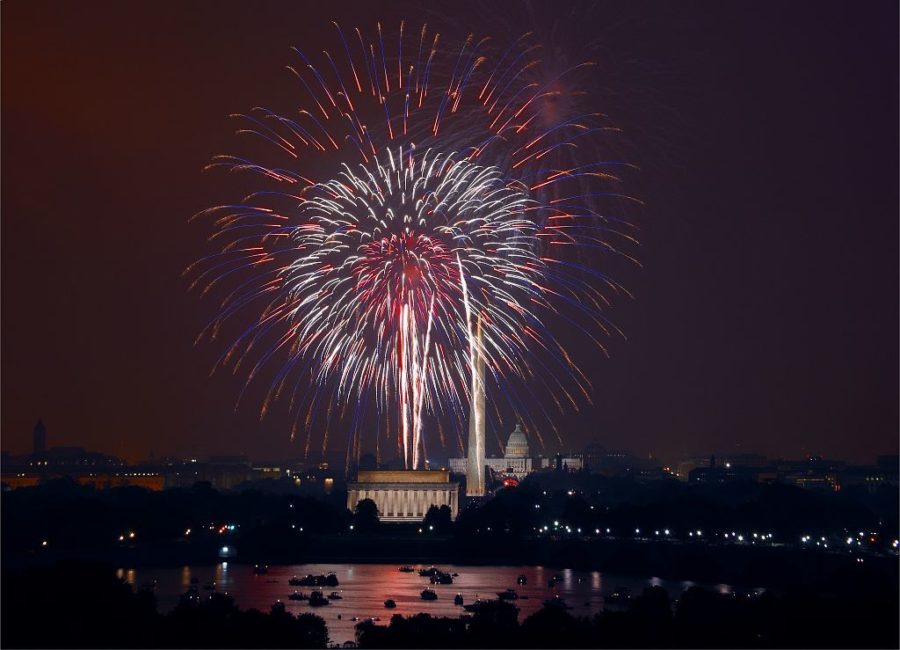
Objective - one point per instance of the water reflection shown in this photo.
(365, 587)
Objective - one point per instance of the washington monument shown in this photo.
(475, 462)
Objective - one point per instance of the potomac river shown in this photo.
(365, 587)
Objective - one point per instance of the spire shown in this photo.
(475, 462)
(39, 438)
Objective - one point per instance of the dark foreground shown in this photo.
(38, 611)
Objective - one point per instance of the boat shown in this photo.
(329, 580)
(298, 595)
(441, 578)
(478, 605)
(508, 594)
(557, 602)
(620, 596)
(260, 569)
(190, 597)
(454, 574)
(428, 594)
(316, 599)
(390, 604)
(522, 579)
(429, 572)
(335, 596)
(458, 599)
(406, 569)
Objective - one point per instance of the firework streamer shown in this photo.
(413, 196)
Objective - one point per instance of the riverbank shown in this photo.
(750, 566)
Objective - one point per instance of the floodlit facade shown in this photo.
(515, 461)
(404, 495)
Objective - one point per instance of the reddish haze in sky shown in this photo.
(765, 315)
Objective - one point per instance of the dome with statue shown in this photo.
(517, 445)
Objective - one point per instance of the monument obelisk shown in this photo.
(475, 462)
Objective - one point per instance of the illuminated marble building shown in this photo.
(404, 495)
(515, 460)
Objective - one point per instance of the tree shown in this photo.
(439, 519)
(366, 518)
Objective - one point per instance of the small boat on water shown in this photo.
(620, 596)
(478, 605)
(406, 569)
(260, 569)
(454, 574)
(298, 595)
(428, 594)
(557, 602)
(429, 572)
(522, 579)
(335, 596)
(441, 578)
(508, 594)
(316, 599)
(329, 580)
(390, 604)
(190, 597)
(458, 599)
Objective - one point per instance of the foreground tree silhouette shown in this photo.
(366, 517)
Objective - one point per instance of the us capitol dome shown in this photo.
(517, 445)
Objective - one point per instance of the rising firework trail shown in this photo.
(407, 203)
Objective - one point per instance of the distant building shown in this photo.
(597, 459)
(514, 462)
(39, 439)
(404, 495)
(563, 462)
(687, 465)
(812, 473)
(870, 477)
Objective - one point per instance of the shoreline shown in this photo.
(744, 567)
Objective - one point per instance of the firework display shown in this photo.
(414, 197)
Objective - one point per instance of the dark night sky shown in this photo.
(766, 311)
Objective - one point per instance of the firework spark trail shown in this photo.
(368, 279)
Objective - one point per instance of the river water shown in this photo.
(365, 587)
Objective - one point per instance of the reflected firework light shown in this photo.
(418, 189)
